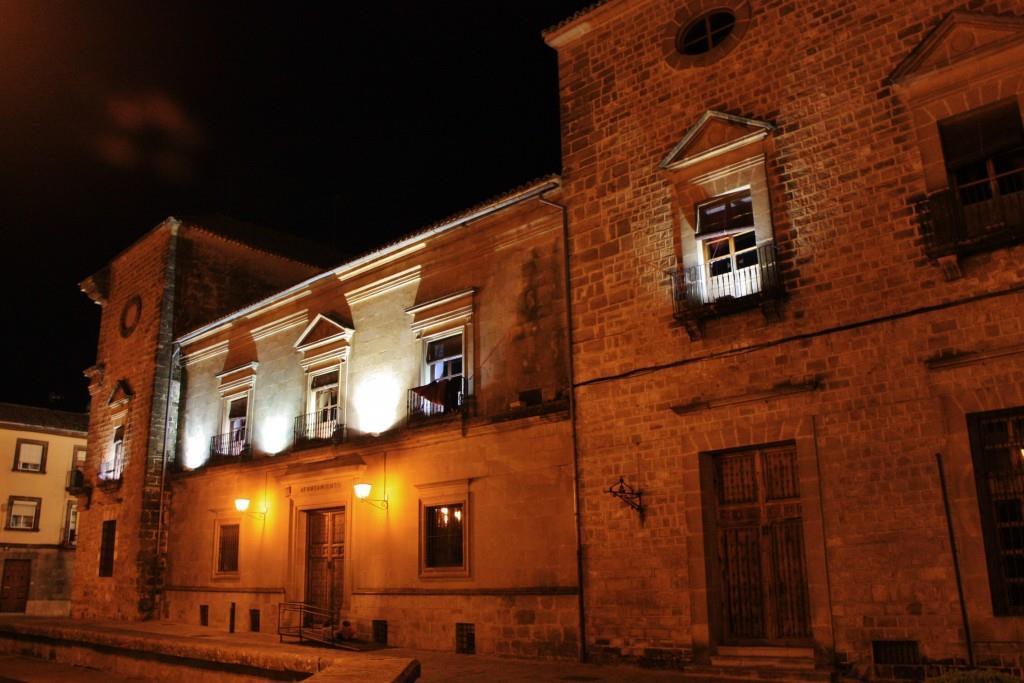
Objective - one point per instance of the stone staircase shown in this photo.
(760, 664)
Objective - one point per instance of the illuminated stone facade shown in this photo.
(869, 334)
(796, 330)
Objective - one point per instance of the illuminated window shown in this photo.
(234, 437)
(445, 388)
(729, 247)
(80, 454)
(321, 420)
(108, 536)
(997, 446)
(443, 535)
(444, 530)
(30, 456)
(23, 513)
(112, 465)
(227, 534)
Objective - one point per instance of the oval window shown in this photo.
(705, 32)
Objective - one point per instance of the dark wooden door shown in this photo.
(325, 559)
(14, 588)
(761, 547)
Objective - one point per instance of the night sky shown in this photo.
(346, 126)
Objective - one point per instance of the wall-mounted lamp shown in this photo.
(242, 505)
(363, 491)
(628, 495)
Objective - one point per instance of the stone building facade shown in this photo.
(40, 448)
(793, 233)
(434, 371)
(791, 431)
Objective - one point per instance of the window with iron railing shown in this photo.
(997, 445)
(445, 391)
(983, 207)
(112, 464)
(734, 269)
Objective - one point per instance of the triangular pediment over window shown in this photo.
(959, 38)
(715, 134)
(121, 394)
(322, 330)
(324, 342)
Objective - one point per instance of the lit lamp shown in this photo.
(363, 491)
(242, 505)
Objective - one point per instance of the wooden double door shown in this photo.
(14, 585)
(325, 559)
(760, 547)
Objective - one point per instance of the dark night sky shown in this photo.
(346, 126)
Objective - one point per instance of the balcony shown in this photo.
(976, 217)
(442, 397)
(230, 446)
(109, 474)
(76, 483)
(319, 426)
(698, 294)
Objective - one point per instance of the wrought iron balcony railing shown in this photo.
(975, 218)
(233, 444)
(697, 293)
(443, 397)
(320, 425)
(76, 482)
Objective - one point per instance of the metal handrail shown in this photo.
(442, 397)
(233, 444)
(305, 621)
(695, 291)
(953, 226)
(320, 425)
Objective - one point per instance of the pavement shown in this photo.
(264, 649)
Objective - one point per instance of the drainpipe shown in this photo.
(956, 562)
(582, 647)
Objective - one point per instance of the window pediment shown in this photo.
(121, 394)
(323, 342)
(238, 379)
(446, 312)
(961, 38)
(716, 134)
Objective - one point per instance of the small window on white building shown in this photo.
(30, 456)
(23, 513)
(112, 464)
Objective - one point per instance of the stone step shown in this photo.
(730, 674)
(765, 651)
(755, 662)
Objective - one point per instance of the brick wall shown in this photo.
(864, 311)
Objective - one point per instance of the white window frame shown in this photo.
(24, 500)
(225, 419)
(19, 463)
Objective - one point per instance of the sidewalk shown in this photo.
(262, 650)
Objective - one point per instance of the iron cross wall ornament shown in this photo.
(628, 495)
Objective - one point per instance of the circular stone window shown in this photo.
(130, 315)
(705, 32)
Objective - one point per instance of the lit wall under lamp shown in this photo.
(363, 491)
(242, 505)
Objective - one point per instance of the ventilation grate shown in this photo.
(254, 620)
(465, 639)
(896, 652)
(380, 631)
(204, 615)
